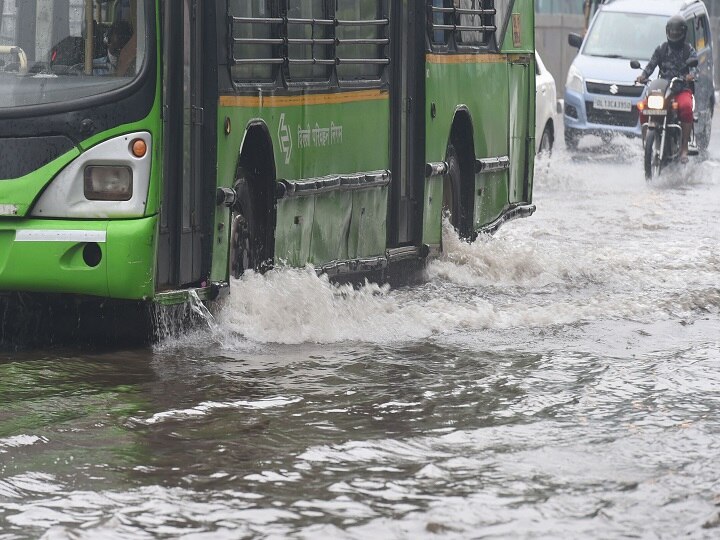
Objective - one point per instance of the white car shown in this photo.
(545, 107)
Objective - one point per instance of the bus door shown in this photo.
(180, 254)
(407, 88)
(520, 124)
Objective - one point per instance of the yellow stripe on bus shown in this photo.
(305, 99)
(467, 58)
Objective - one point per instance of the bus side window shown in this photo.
(470, 20)
(437, 18)
(365, 60)
(247, 56)
(310, 40)
(501, 19)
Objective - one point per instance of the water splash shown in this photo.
(564, 266)
(176, 320)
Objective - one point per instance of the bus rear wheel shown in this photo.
(451, 188)
(245, 251)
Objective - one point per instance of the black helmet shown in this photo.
(676, 29)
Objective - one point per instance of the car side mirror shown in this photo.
(635, 64)
(691, 62)
(575, 40)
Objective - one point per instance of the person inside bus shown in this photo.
(671, 57)
(118, 37)
(126, 58)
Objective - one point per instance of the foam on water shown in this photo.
(506, 281)
(563, 266)
(203, 410)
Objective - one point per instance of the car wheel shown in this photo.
(546, 141)
(572, 138)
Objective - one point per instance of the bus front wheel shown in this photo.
(451, 187)
(244, 235)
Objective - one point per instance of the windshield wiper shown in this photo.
(608, 55)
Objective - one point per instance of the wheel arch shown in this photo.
(256, 164)
(549, 123)
(462, 137)
(256, 151)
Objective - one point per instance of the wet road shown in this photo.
(558, 380)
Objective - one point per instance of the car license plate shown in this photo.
(654, 112)
(613, 104)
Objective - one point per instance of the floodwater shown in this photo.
(560, 379)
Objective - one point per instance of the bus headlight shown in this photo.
(108, 183)
(109, 180)
(656, 102)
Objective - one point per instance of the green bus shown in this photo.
(152, 150)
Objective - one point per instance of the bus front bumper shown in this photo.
(104, 258)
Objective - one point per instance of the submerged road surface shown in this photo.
(558, 380)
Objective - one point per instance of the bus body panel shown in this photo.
(448, 80)
(49, 256)
(126, 270)
(313, 136)
(519, 125)
(294, 230)
(18, 194)
(519, 42)
(520, 33)
(368, 224)
(432, 211)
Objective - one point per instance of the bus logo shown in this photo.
(285, 139)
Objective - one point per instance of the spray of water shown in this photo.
(563, 266)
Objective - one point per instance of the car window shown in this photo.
(625, 35)
(702, 35)
(691, 31)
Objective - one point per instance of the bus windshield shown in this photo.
(625, 35)
(53, 51)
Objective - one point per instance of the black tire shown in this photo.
(546, 141)
(248, 248)
(653, 166)
(702, 136)
(451, 188)
(571, 139)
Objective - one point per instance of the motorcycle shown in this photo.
(662, 133)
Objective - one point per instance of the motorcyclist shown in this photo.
(671, 57)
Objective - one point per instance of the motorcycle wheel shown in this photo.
(653, 166)
(702, 135)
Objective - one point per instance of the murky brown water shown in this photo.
(559, 380)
